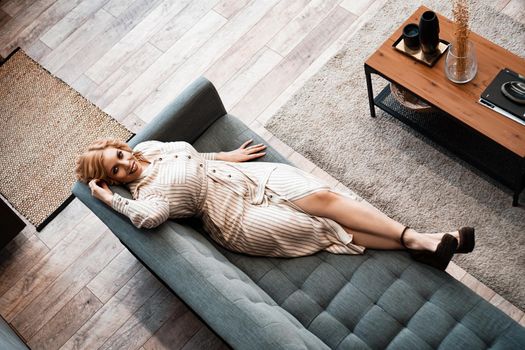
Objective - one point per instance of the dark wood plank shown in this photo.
(47, 269)
(66, 322)
(116, 274)
(146, 321)
(63, 223)
(67, 285)
(7, 252)
(115, 312)
(24, 18)
(175, 332)
(16, 261)
(42, 23)
(4, 18)
(14, 7)
(205, 339)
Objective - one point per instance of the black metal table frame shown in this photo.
(519, 183)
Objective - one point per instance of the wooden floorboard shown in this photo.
(14, 265)
(95, 25)
(67, 285)
(10, 31)
(44, 21)
(268, 88)
(176, 332)
(13, 7)
(177, 27)
(58, 228)
(4, 18)
(299, 27)
(197, 64)
(64, 324)
(47, 269)
(112, 315)
(135, 40)
(165, 65)
(146, 321)
(73, 285)
(72, 21)
(98, 46)
(228, 8)
(204, 339)
(116, 274)
(234, 59)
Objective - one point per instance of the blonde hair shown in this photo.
(89, 164)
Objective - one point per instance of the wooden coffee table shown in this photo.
(458, 102)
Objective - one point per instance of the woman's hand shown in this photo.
(100, 190)
(243, 153)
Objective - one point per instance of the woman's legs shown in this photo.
(373, 241)
(364, 218)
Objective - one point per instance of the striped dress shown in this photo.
(245, 207)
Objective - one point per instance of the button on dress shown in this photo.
(245, 207)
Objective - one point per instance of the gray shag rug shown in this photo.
(397, 170)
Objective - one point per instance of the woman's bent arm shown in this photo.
(151, 210)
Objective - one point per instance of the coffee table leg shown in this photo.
(520, 188)
(370, 91)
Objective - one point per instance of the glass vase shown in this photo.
(461, 67)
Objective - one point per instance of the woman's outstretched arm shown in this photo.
(243, 153)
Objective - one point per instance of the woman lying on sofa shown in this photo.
(258, 208)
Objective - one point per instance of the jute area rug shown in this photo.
(397, 170)
(44, 125)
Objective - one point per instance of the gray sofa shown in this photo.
(375, 301)
(9, 339)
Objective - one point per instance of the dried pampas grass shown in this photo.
(462, 31)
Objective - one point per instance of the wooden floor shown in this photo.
(73, 285)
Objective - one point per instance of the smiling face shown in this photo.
(120, 165)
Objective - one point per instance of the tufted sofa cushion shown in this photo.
(381, 300)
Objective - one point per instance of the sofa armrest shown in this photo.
(9, 339)
(187, 117)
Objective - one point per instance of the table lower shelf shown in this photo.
(476, 149)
